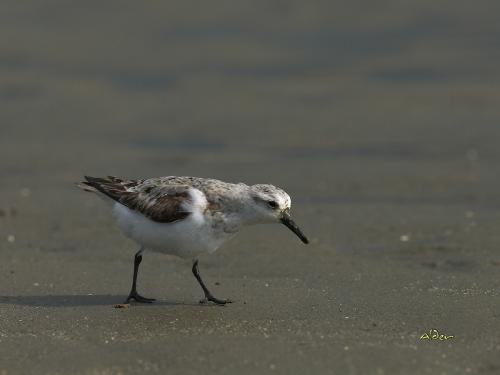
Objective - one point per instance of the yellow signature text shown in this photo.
(434, 334)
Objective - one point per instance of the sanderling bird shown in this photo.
(188, 216)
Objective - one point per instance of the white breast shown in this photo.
(197, 233)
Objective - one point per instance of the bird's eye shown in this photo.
(272, 204)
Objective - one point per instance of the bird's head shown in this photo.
(272, 204)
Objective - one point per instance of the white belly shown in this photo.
(186, 238)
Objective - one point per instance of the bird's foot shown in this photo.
(138, 298)
(217, 301)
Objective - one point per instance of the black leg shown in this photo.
(133, 292)
(208, 295)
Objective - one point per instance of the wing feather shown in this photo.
(164, 203)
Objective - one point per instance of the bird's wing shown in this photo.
(164, 203)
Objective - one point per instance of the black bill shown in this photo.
(287, 220)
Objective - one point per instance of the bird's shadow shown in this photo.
(81, 300)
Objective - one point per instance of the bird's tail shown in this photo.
(86, 187)
(97, 185)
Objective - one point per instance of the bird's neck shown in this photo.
(242, 208)
(248, 213)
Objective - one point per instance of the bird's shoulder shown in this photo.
(216, 192)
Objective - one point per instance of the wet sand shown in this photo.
(381, 121)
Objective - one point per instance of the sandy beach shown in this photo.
(381, 121)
